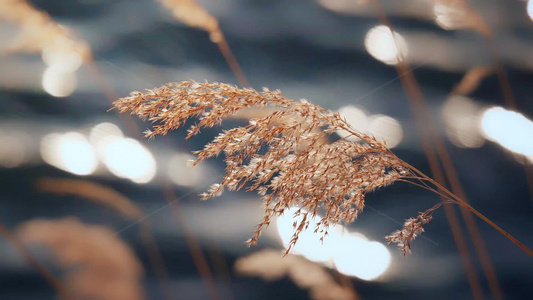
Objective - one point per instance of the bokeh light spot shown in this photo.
(358, 257)
(386, 128)
(449, 16)
(69, 61)
(70, 152)
(509, 129)
(386, 46)
(182, 174)
(350, 253)
(103, 134)
(462, 117)
(127, 158)
(356, 117)
(59, 82)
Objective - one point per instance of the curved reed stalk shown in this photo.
(472, 79)
(429, 134)
(193, 14)
(296, 169)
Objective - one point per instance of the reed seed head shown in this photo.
(283, 156)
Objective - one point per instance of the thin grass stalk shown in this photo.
(199, 258)
(232, 62)
(54, 282)
(507, 91)
(456, 199)
(423, 121)
(478, 242)
(220, 267)
(193, 14)
(156, 259)
(508, 97)
(471, 80)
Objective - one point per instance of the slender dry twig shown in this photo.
(270, 158)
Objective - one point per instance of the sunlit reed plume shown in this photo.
(96, 263)
(273, 265)
(281, 156)
(297, 169)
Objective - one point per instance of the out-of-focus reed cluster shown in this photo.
(273, 265)
(96, 264)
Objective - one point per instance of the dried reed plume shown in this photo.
(38, 31)
(272, 265)
(281, 156)
(97, 264)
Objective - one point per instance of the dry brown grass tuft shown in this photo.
(97, 264)
(273, 265)
(283, 157)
